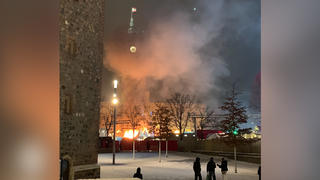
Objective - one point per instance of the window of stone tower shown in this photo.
(67, 104)
(70, 46)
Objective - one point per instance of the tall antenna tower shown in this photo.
(132, 30)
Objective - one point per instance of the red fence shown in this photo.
(147, 145)
(172, 145)
(141, 146)
(106, 145)
(126, 145)
(153, 145)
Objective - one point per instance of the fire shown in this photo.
(142, 133)
(129, 133)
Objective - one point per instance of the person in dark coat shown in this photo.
(224, 168)
(197, 169)
(259, 172)
(64, 169)
(211, 167)
(138, 174)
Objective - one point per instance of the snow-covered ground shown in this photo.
(178, 166)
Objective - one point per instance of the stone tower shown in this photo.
(81, 59)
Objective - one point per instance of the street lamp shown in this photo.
(115, 84)
(115, 101)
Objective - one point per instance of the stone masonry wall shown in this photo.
(81, 58)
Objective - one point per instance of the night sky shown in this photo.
(237, 43)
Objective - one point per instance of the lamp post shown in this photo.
(114, 102)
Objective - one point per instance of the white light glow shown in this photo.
(133, 49)
(115, 101)
(129, 134)
(115, 83)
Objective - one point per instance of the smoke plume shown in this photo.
(174, 54)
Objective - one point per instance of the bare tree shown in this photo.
(133, 112)
(180, 105)
(106, 114)
(147, 114)
(161, 121)
(205, 117)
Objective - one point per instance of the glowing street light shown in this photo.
(115, 101)
(115, 84)
(235, 132)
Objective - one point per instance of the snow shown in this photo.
(178, 166)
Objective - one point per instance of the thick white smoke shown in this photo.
(170, 55)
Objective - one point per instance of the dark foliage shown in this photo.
(235, 116)
(161, 120)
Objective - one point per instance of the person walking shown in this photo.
(224, 168)
(138, 173)
(211, 167)
(259, 172)
(197, 169)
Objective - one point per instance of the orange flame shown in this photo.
(129, 133)
(143, 133)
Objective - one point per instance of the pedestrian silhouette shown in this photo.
(138, 174)
(259, 172)
(211, 167)
(224, 168)
(197, 169)
(64, 169)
